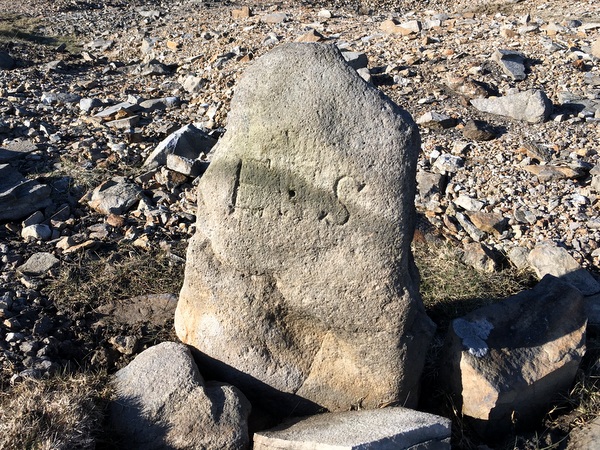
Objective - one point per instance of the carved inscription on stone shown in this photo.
(258, 186)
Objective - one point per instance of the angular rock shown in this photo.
(279, 296)
(274, 18)
(531, 106)
(194, 84)
(115, 196)
(386, 428)
(162, 401)
(436, 121)
(124, 124)
(429, 183)
(448, 163)
(479, 257)
(356, 60)
(36, 231)
(188, 167)
(405, 29)
(549, 172)
(511, 62)
(476, 234)
(478, 130)
(518, 257)
(506, 362)
(87, 104)
(120, 109)
(547, 258)
(38, 264)
(468, 203)
(19, 197)
(311, 36)
(189, 142)
(159, 103)
(492, 223)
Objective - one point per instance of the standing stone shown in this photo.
(300, 286)
(162, 402)
(508, 361)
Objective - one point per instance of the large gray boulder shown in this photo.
(508, 361)
(300, 287)
(162, 402)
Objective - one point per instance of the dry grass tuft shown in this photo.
(62, 412)
(92, 279)
(451, 289)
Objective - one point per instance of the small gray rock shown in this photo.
(160, 103)
(87, 104)
(436, 121)
(36, 232)
(19, 197)
(115, 196)
(194, 84)
(511, 62)
(531, 106)
(356, 60)
(189, 142)
(448, 163)
(39, 264)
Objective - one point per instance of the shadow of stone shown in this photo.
(261, 394)
(129, 428)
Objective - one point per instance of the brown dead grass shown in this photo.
(60, 413)
(451, 289)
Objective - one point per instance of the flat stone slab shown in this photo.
(386, 428)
